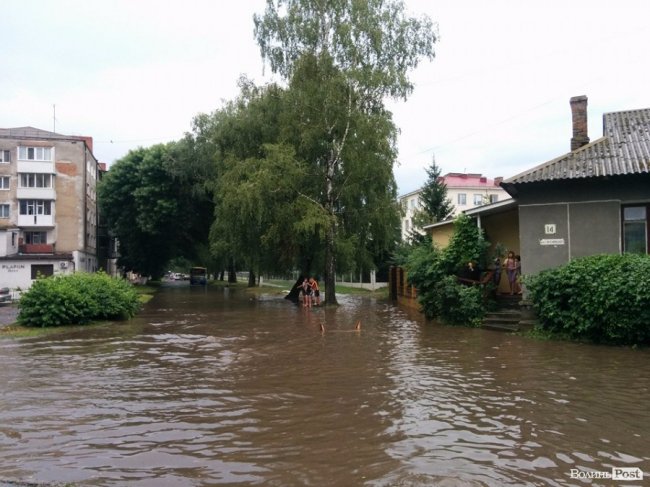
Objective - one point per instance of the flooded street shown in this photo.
(217, 387)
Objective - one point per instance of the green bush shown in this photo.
(433, 272)
(603, 298)
(77, 299)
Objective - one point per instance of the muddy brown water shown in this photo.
(216, 387)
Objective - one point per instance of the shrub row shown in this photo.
(77, 299)
(603, 298)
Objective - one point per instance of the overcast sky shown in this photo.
(495, 100)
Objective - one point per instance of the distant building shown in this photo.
(465, 191)
(48, 205)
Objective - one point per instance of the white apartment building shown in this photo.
(465, 191)
(48, 205)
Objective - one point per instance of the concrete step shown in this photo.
(507, 301)
(500, 326)
(505, 320)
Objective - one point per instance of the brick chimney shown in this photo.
(579, 118)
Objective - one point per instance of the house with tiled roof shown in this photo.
(594, 199)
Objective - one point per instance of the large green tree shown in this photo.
(256, 182)
(342, 59)
(137, 199)
(153, 203)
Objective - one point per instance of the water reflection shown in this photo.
(213, 388)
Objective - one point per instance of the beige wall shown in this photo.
(440, 235)
(70, 166)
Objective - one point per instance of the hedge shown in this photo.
(602, 298)
(77, 299)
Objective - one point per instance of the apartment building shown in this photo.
(465, 191)
(48, 205)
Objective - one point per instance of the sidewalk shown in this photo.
(8, 314)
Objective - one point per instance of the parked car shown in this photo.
(5, 295)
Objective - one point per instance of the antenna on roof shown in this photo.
(54, 117)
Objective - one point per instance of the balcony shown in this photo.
(46, 167)
(35, 193)
(36, 248)
(35, 220)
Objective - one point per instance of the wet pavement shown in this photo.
(211, 387)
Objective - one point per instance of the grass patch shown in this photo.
(19, 331)
(145, 292)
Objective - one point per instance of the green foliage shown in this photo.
(601, 298)
(435, 204)
(434, 273)
(77, 299)
(155, 207)
(373, 41)
(342, 59)
(467, 243)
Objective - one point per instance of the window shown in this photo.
(4, 182)
(413, 203)
(42, 270)
(35, 237)
(635, 229)
(34, 153)
(35, 207)
(462, 199)
(5, 156)
(4, 211)
(494, 198)
(30, 180)
(478, 199)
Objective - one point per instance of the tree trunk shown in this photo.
(251, 278)
(330, 265)
(330, 235)
(232, 274)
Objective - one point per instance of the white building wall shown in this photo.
(16, 274)
(411, 201)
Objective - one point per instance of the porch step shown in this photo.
(504, 320)
(508, 301)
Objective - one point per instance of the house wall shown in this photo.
(565, 220)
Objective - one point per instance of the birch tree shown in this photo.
(342, 59)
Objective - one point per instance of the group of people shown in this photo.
(310, 292)
(512, 265)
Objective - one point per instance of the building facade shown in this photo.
(48, 205)
(592, 200)
(465, 191)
